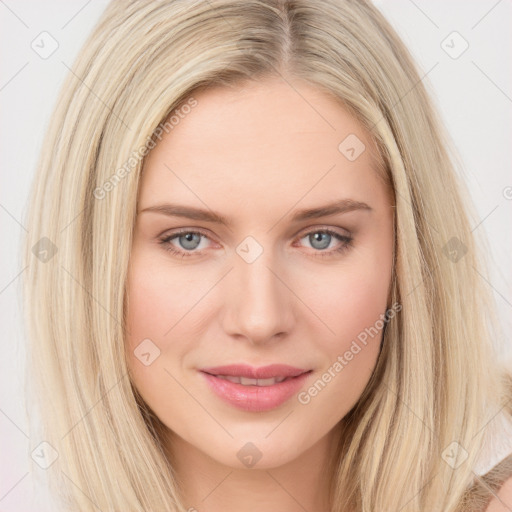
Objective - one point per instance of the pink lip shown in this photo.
(256, 398)
(265, 372)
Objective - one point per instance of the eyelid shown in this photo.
(184, 231)
(320, 227)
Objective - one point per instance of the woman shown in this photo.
(259, 286)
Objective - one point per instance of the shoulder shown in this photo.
(502, 501)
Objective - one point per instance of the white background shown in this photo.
(473, 93)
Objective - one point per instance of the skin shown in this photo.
(503, 501)
(256, 154)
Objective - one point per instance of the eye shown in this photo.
(321, 239)
(188, 242)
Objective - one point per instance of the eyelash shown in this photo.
(347, 242)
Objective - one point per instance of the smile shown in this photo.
(255, 390)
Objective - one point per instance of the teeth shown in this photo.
(245, 381)
(236, 380)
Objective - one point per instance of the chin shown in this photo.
(258, 451)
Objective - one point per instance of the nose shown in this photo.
(259, 305)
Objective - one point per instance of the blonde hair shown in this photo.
(436, 381)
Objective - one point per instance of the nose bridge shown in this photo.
(260, 305)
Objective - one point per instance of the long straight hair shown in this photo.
(437, 381)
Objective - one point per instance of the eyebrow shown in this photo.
(189, 212)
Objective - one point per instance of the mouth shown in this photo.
(241, 370)
(253, 394)
(246, 381)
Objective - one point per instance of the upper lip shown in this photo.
(264, 372)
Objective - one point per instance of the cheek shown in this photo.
(163, 320)
(146, 305)
(354, 311)
(361, 300)
(357, 324)
(156, 298)
(352, 298)
(352, 305)
(159, 296)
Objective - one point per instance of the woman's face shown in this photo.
(264, 236)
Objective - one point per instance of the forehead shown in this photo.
(263, 141)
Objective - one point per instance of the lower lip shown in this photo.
(255, 398)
